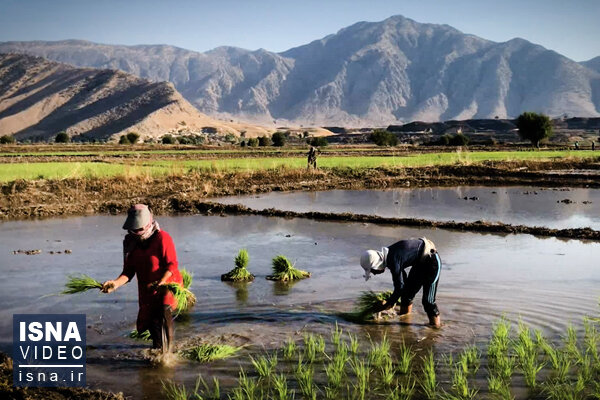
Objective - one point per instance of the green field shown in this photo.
(61, 170)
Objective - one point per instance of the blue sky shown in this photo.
(570, 27)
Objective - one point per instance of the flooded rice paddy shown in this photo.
(518, 205)
(548, 283)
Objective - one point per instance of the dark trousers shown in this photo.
(161, 328)
(425, 274)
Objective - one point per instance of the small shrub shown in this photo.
(133, 137)
(278, 139)
(319, 142)
(123, 140)
(459, 140)
(264, 141)
(253, 142)
(168, 139)
(7, 139)
(384, 138)
(243, 143)
(62, 137)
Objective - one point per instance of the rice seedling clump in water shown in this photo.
(80, 283)
(240, 272)
(284, 271)
(134, 334)
(209, 352)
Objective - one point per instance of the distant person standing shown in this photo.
(593, 145)
(576, 145)
(312, 158)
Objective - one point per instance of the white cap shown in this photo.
(371, 259)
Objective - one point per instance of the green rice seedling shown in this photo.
(336, 336)
(469, 359)
(524, 339)
(173, 391)
(305, 377)
(240, 272)
(586, 369)
(354, 345)
(320, 345)
(264, 365)
(284, 270)
(280, 388)
(570, 341)
(405, 359)
(247, 387)
(134, 334)
(387, 372)
(310, 347)
(289, 349)
(591, 339)
(334, 374)
(562, 366)
(187, 278)
(428, 380)
(504, 366)
(379, 353)
(565, 391)
(209, 352)
(499, 388)
(206, 393)
(460, 384)
(530, 368)
(362, 371)
(80, 283)
(404, 391)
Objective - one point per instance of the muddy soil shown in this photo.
(43, 198)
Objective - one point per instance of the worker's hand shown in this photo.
(108, 287)
(154, 285)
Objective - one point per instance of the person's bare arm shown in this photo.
(111, 286)
(163, 280)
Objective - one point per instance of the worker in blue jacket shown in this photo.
(421, 255)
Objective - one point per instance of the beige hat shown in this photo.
(138, 217)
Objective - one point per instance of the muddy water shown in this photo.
(512, 205)
(546, 282)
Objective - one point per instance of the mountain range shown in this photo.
(39, 98)
(369, 74)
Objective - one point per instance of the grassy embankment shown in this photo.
(62, 170)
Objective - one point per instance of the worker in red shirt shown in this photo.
(150, 254)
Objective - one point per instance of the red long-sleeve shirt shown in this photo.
(149, 261)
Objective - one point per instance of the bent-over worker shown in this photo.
(149, 253)
(421, 255)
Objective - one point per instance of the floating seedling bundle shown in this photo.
(240, 272)
(284, 271)
(80, 283)
(208, 352)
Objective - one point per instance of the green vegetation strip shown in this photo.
(62, 170)
(514, 362)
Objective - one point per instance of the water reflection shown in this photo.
(554, 208)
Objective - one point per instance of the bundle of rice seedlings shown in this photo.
(239, 273)
(209, 352)
(368, 300)
(284, 271)
(134, 334)
(187, 278)
(80, 283)
(185, 298)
